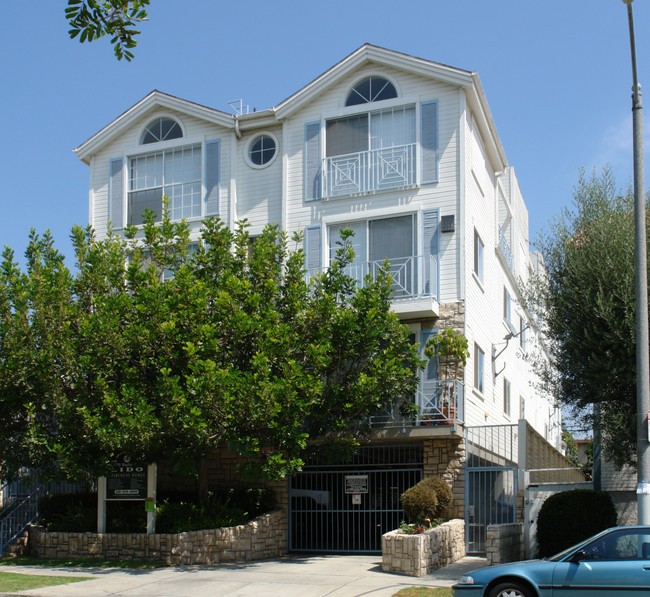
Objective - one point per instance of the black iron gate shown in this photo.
(347, 507)
(491, 481)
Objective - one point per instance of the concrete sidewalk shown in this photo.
(293, 576)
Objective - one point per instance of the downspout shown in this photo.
(237, 131)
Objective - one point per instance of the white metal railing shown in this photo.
(412, 277)
(504, 245)
(371, 170)
(438, 402)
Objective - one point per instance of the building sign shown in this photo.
(128, 481)
(356, 483)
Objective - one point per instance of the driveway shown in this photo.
(317, 576)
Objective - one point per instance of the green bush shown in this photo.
(65, 512)
(568, 517)
(430, 498)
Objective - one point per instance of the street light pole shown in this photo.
(641, 285)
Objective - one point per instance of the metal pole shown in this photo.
(641, 284)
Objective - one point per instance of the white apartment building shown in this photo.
(405, 152)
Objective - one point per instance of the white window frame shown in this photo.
(478, 256)
(161, 147)
(252, 140)
(479, 369)
(507, 307)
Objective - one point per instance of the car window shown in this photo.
(620, 545)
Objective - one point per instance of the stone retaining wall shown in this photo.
(262, 538)
(417, 555)
(505, 543)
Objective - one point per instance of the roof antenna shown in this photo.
(238, 107)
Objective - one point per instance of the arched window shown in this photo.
(372, 89)
(161, 129)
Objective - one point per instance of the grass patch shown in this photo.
(79, 563)
(10, 582)
(423, 592)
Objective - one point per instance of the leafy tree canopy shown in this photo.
(155, 351)
(588, 305)
(91, 19)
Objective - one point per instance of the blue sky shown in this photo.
(556, 74)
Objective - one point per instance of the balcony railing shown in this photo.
(504, 245)
(438, 402)
(372, 170)
(412, 277)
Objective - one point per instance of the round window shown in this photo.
(262, 150)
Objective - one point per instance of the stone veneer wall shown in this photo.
(262, 538)
(417, 555)
(445, 457)
(505, 543)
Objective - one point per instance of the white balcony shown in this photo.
(373, 170)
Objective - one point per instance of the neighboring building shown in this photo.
(405, 152)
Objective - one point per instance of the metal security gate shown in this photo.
(347, 507)
(491, 481)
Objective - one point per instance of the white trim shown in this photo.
(284, 184)
(252, 140)
(461, 198)
(371, 214)
(371, 107)
(91, 192)
(140, 150)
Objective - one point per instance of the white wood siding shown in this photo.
(259, 190)
(491, 199)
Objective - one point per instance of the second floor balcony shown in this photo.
(414, 281)
(373, 170)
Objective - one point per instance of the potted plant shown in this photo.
(449, 349)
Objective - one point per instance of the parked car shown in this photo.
(613, 562)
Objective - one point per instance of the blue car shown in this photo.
(614, 562)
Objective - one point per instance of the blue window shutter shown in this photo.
(313, 162)
(429, 141)
(212, 149)
(430, 252)
(116, 194)
(313, 248)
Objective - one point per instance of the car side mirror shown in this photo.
(577, 556)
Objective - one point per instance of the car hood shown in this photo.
(537, 570)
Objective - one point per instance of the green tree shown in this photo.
(162, 353)
(587, 303)
(91, 19)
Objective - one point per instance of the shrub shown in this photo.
(177, 512)
(568, 517)
(65, 512)
(430, 498)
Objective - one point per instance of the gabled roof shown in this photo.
(373, 54)
(366, 54)
(156, 99)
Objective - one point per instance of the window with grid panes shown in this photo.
(175, 173)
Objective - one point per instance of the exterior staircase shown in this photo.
(16, 516)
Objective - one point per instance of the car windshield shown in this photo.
(558, 556)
